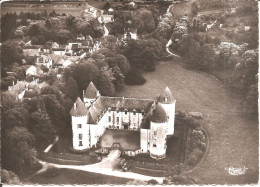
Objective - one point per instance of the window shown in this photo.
(79, 126)
(117, 120)
(117, 110)
(80, 143)
(154, 145)
(80, 136)
(109, 109)
(109, 118)
(125, 111)
(155, 133)
(134, 112)
(143, 112)
(165, 99)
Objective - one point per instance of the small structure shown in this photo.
(247, 28)
(33, 70)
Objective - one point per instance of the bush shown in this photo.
(192, 159)
(152, 181)
(134, 77)
(51, 172)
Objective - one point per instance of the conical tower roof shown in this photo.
(91, 91)
(159, 114)
(78, 109)
(166, 97)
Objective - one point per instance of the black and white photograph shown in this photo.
(129, 92)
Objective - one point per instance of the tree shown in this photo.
(11, 53)
(83, 73)
(18, 153)
(48, 24)
(107, 6)
(143, 20)
(134, 77)
(9, 177)
(105, 85)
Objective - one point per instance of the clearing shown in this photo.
(233, 136)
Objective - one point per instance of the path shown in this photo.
(106, 167)
(233, 137)
(106, 30)
(170, 41)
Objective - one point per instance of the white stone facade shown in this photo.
(88, 128)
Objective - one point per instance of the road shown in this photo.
(106, 167)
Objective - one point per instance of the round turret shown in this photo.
(166, 97)
(78, 109)
(159, 115)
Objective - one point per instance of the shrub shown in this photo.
(51, 172)
(192, 159)
(152, 181)
(134, 77)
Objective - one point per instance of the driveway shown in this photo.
(106, 167)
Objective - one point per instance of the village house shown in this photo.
(44, 60)
(115, 122)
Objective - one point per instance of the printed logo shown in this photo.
(236, 171)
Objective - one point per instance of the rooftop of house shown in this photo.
(159, 114)
(91, 91)
(166, 97)
(78, 109)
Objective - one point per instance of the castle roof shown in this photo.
(91, 91)
(159, 114)
(114, 103)
(79, 109)
(166, 97)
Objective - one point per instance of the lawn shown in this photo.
(69, 176)
(129, 140)
(233, 136)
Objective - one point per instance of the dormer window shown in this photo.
(117, 110)
(165, 99)
(142, 112)
(109, 109)
(125, 111)
(134, 111)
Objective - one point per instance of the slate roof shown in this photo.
(159, 114)
(43, 68)
(166, 94)
(91, 91)
(114, 103)
(80, 110)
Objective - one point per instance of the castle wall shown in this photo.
(144, 140)
(158, 138)
(80, 128)
(170, 111)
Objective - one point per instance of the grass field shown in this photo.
(233, 136)
(68, 176)
(12, 7)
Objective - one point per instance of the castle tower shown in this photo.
(90, 94)
(158, 129)
(167, 101)
(80, 129)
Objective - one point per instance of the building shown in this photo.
(149, 121)
(130, 34)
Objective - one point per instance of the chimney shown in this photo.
(74, 107)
